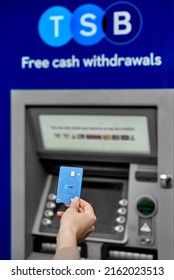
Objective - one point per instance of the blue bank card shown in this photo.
(69, 184)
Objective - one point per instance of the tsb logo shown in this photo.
(120, 24)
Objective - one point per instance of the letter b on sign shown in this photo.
(122, 23)
(122, 19)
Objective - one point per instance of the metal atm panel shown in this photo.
(147, 235)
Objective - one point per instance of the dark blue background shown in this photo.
(19, 37)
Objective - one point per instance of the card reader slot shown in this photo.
(144, 176)
(93, 169)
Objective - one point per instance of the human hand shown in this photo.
(76, 223)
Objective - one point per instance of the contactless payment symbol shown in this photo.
(68, 187)
(69, 184)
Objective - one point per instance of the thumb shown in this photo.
(75, 203)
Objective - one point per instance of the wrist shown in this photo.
(66, 238)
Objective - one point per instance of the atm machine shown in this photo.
(123, 139)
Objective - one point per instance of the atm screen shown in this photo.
(110, 133)
(106, 134)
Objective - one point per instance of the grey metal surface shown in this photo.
(162, 99)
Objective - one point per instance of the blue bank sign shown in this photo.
(120, 24)
(82, 44)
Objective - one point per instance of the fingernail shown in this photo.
(75, 198)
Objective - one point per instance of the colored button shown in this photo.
(146, 206)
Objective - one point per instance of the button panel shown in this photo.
(50, 211)
(122, 216)
(146, 209)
